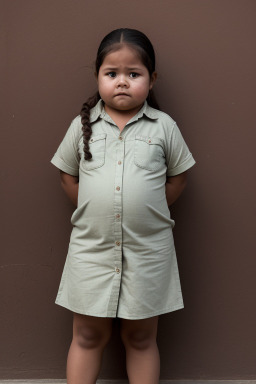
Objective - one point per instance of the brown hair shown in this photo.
(110, 43)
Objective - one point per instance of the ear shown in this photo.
(152, 80)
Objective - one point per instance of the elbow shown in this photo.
(63, 184)
(184, 183)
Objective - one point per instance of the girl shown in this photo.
(122, 163)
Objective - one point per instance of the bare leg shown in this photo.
(90, 336)
(142, 356)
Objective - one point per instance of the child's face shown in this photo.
(124, 81)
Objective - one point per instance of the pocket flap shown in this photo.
(150, 140)
(102, 136)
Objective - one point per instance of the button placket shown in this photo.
(118, 191)
(117, 267)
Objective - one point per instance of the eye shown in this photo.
(133, 75)
(111, 74)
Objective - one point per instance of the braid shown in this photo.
(85, 120)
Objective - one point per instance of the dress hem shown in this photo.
(120, 316)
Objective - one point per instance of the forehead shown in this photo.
(123, 56)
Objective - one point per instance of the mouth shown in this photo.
(121, 94)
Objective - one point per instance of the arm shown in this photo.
(70, 185)
(174, 187)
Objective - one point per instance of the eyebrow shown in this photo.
(115, 68)
(110, 68)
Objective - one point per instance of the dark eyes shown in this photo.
(111, 74)
(132, 75)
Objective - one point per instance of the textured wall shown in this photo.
(206, 63)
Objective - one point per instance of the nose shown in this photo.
(122, 82)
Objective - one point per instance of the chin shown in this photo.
(123, 107)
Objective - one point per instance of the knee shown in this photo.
(89, 338)
(138, 339)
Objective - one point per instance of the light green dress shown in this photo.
(121, 260)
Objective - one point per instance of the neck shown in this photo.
(120, 117)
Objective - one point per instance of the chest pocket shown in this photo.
(97, 146)
(149, 153)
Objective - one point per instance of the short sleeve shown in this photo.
(179, 159)
(67, 157)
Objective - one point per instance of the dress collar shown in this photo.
(99, 111)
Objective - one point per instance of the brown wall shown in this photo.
(206, 63)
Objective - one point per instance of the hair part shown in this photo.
(112, 42)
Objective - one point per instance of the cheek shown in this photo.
(142, 89)
(104, 86)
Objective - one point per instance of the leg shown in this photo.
(142, 356)
(90, 335)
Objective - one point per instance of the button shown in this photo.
(119, 162)
(118, 216)
(118, 243)
(120, 138)
(117, 270)
(118, 188)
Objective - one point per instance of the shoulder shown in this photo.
(76, 123)
(75, 128)
(163, 124)
(160, 117)
(165, 127)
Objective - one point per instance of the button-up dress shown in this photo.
(121, 259)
